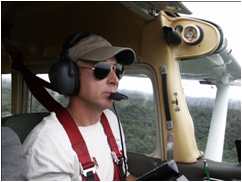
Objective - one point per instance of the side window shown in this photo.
(233, 126)
(201, 102)
(138, 114)
(6, 95)
(35, 106)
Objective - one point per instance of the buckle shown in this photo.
(89, 171)
(115, 158)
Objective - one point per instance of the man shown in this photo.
(48, 150)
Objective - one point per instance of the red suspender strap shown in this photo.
(117, 156)
(88, 168)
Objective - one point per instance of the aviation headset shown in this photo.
(64, 74)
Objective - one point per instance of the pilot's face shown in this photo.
(95, 92)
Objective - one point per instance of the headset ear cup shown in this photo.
(64, 77)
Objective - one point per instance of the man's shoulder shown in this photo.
(47, 148)
(48, 124)
(48, 130)
(112, 120)
(110, 114)
(114, 124)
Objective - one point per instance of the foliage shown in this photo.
(138, 119)
(6, 98)
(201, 110)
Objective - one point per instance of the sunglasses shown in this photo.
(101, 70)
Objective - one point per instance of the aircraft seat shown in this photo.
(12, 159)
(22, 124)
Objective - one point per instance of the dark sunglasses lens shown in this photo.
(101, 70)
(119, 71)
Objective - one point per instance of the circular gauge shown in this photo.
(192, 34)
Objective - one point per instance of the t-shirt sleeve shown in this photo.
(49, 157)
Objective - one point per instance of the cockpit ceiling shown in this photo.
(39, 28)
(143, 8)
(148, 10)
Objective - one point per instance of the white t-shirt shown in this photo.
(50, 156)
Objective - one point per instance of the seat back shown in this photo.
(22, 124)
(13, 164)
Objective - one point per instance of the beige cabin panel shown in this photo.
(156, 52)
(209, 43)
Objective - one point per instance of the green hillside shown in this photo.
(138, 117)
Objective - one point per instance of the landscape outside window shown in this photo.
(138, 114)
(6, 92)
(201, 103)
(35, 106)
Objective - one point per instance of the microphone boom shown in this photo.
(118, 96)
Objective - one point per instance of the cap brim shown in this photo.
(123, 55)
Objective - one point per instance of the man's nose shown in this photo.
(112, 77)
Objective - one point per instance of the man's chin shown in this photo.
(107, 104)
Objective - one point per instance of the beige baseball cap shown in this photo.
(96, 48)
